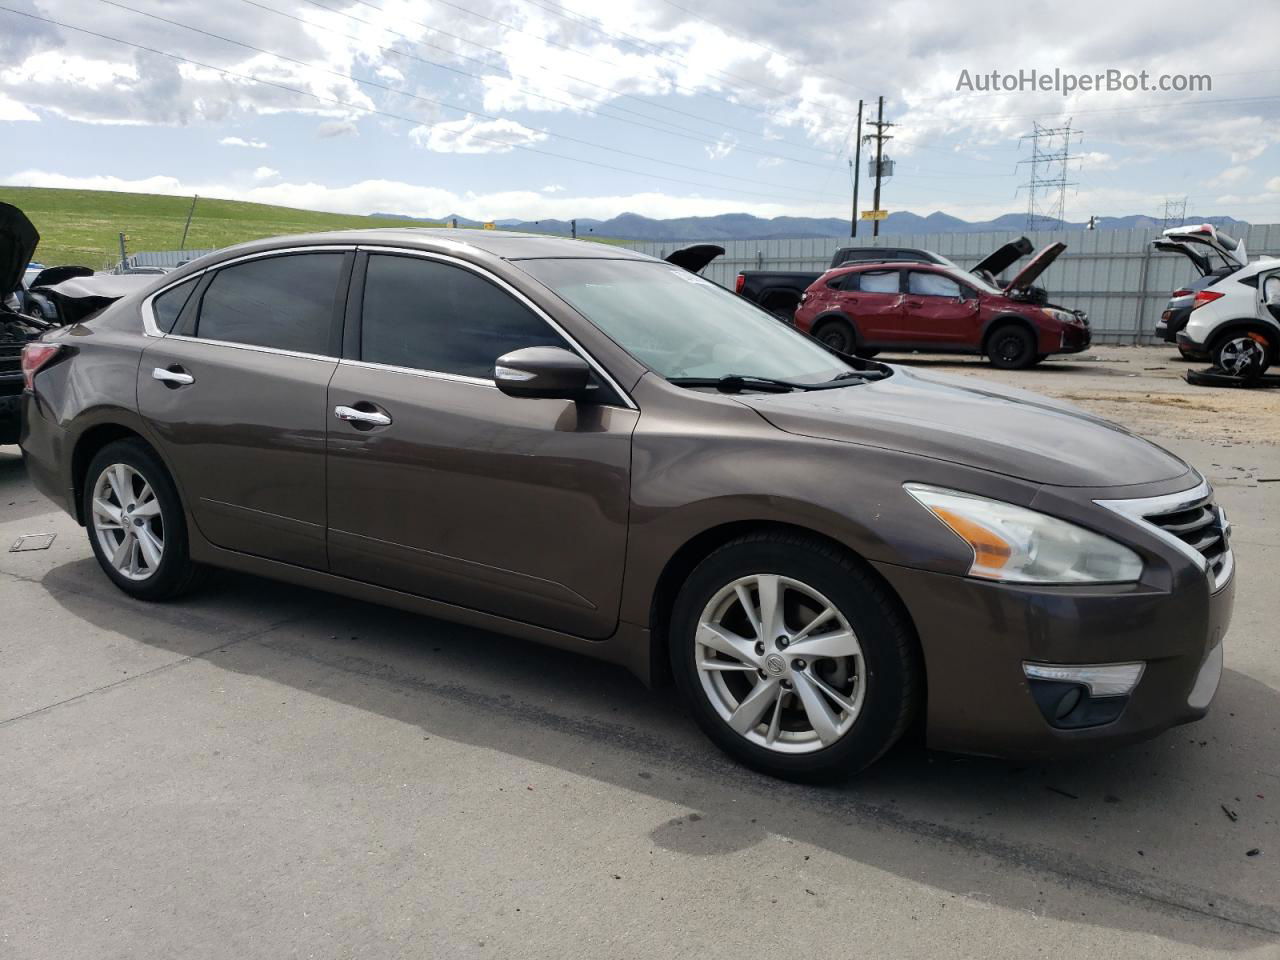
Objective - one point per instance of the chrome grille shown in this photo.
(1191, 521)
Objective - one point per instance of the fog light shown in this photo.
(1103, 680)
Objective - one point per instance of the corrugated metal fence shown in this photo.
(1113, 275)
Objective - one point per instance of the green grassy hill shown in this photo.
(83, 226)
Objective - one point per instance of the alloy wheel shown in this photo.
(1241, 355)
(127, 522)
(780, 664)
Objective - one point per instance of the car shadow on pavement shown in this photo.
(1134, 829)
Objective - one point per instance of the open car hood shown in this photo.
(696, 257)
(1038, 265)
(18, 241)
(1002, 258)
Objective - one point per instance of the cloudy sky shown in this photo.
(564, 108)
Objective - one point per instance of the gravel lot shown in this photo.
(264, 771)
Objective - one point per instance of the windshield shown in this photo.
(680, 325)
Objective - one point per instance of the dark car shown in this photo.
(35, 298)
(932, 308)
(779, 291)
(589, 448)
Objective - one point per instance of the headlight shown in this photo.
(1022, 546)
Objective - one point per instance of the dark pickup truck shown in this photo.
(779, 291)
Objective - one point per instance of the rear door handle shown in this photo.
(173, 377)
(372, 418)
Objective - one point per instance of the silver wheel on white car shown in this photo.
(780, 664)
(1241, 355)
(127, 521)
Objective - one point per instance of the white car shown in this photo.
(1235, 321)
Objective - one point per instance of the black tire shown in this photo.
(837, 334)
(1040, 358)
(1225, 354)
(175, 574)
(892, 663)
(1011, 347)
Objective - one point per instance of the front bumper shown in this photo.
(1075, 339)
(977, 635)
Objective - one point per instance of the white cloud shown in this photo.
(553, 188)
(337, 128)
(12, 111)
(265, 173)
(1273, 185)
(721, 148)
(472, 135)
(242, 142)
(1229, 176)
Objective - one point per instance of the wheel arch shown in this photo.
(87, 445)
(1005, 320)
(1246, 325)
(838, 315)
(701, 545)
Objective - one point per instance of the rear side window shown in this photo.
(434, 316)
(931, 285)
(169, 304)
(286, 303)
(879, 281)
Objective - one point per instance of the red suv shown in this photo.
(939, 308)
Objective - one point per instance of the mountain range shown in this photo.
(745, 226)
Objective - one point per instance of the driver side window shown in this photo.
(925, 284)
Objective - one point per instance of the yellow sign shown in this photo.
(874, 214)
(491, 225)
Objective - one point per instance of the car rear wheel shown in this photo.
(836, 334)
(135, 521)
(793, 658)
(1242, 354)
(1012, 348)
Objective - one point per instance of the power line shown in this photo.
(444, 103)
(881, 125)
(576, 79)
(373, 111)
(683, 131)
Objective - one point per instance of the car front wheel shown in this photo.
(135, 521)
(793, 657)
(1012, 348)
(1241, 355)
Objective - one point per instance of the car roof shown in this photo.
(869, 265)
(506, 245)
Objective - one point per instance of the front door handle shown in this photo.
(372, 418)
(174, 376)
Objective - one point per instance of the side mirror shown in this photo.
(543, 372)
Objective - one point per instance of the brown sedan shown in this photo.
(589, 448)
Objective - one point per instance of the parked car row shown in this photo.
(1230, 313)
(587, 447)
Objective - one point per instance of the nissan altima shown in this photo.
(586, 447)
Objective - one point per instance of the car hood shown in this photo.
(1023, 279)
(1002, 258)
(1001, 429)
(696, 257)
(18, 241)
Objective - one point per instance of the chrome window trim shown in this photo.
(150, 328)
(416, 372)
(1139, 509)
(513, 291)
(253, 348)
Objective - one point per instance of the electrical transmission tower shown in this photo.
(1047, 186)
(1175, 212)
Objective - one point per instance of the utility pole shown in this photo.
(881, 125)
(190, 214)
(1048, 174)
(124, 254)
(856, 171)
(573, 229)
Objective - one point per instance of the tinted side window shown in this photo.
(931, 285)
(434, 316)
(879, 281)
(169, 304)
(282, 302)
